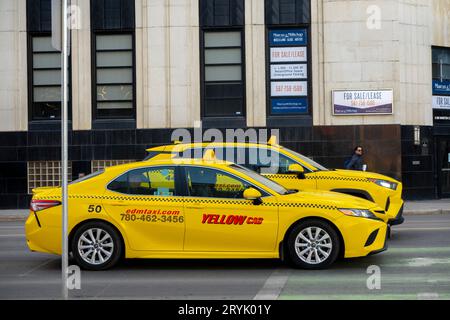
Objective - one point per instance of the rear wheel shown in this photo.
(313, 244)
(96, 246)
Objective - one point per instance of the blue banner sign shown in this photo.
(286, 106)
(288, 37)
(441, 87)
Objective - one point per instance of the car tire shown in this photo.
(309, 250)
(96, 246)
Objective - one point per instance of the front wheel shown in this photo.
(96, 246)
(313, 244)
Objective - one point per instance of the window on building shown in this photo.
(222, 13)
(102, 164)
(223, 74)
(45, 174)
(441, 64)
(288, 69)
(113, 24)
(46, 79)
(114, 76)
(44, 65)
(282, 12)
(222, 54)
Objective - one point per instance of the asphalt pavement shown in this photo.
(415, 266)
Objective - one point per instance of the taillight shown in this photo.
(38, 205)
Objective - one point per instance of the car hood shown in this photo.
(330, 198)
(363, 174)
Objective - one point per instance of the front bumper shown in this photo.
(394, 205)
(362, 236)
(398, 218)
(385, 246)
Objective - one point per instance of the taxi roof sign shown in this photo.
(273, 140)
(209, 155)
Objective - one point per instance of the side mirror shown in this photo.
(253, 194)
(298, 169)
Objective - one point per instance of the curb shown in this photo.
(12, 218)
(426, 212)
(14, 215)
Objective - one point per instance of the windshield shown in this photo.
(309, 161)
(255, 176)
(89, 176)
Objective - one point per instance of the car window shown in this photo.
(281, 163)
(261, 179)
(89, 176)
(263, 160)
(152, 154)
(207, 182)
(309, 161)
(159, 181)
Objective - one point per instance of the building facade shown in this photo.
(329, 74)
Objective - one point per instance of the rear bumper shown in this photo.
(41, 239)
(398, 218)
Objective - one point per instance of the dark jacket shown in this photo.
(355, 163)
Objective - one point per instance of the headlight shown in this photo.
(359, 213)
(384, 183)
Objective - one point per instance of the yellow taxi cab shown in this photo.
(275, 162)
(201, 208)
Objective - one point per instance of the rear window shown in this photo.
(152, 154)
(89, 176)
(158, 181)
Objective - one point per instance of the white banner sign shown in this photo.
(288, 54)
(288, 88)
(288, 71)
(441, 102)
(348, 102)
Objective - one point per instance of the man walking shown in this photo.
(355, 162)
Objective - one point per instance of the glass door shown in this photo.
(444, 167)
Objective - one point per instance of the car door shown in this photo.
(219, 219)
(146, 204)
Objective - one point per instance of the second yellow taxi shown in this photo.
(276, 163)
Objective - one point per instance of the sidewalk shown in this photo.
(14, 214)
(441, 206)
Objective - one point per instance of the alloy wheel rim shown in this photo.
(95, 246)
(313, 245)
